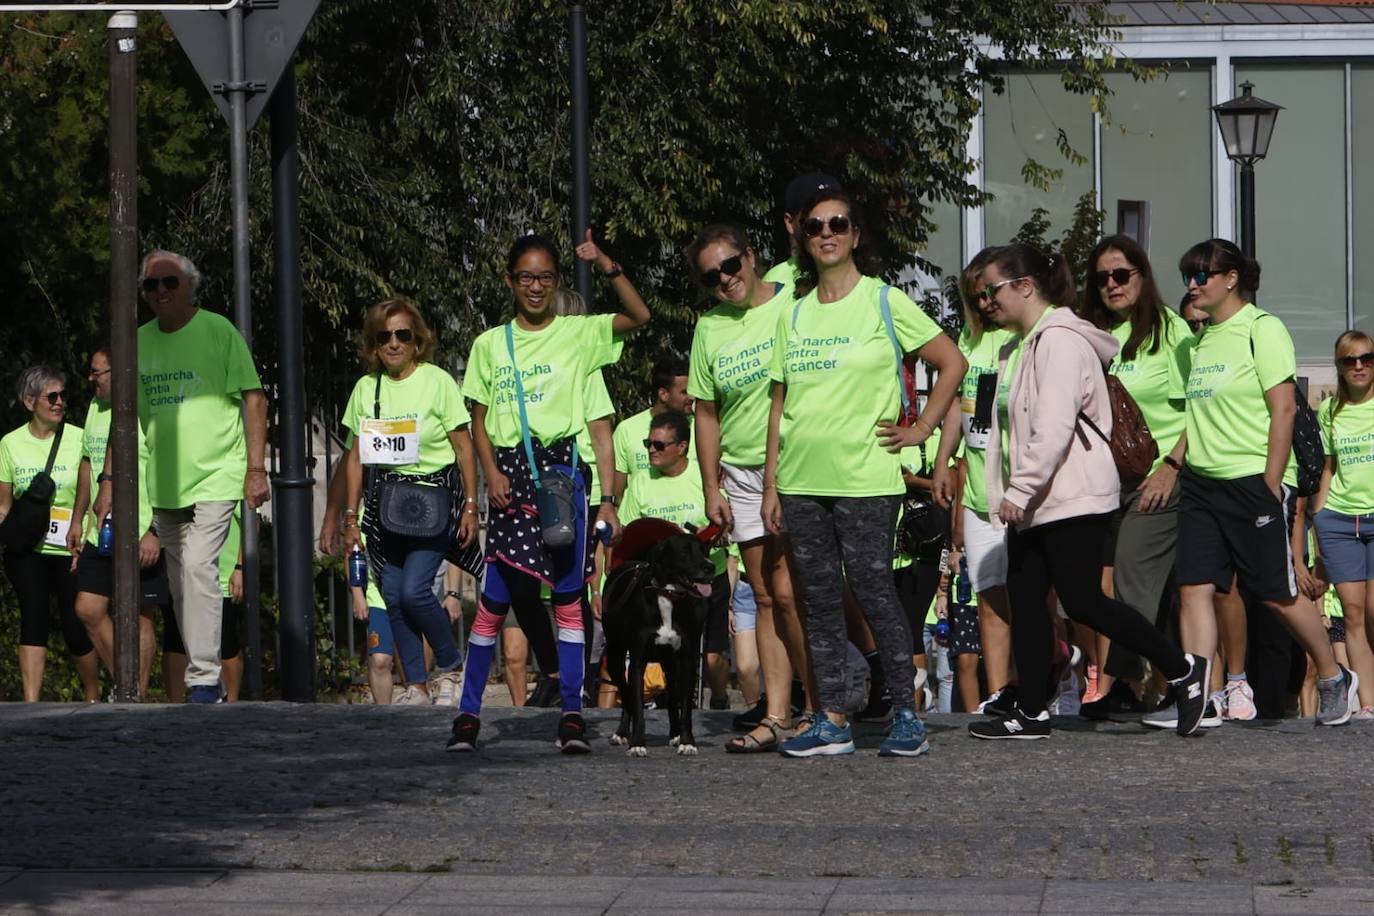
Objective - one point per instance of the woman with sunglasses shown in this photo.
(833, 468)
(407, 418)
(1051, 474)
(44, 574)
(548, 401)
(1237, 502)
(1120, 297)
(732, 347)
(1345, 503)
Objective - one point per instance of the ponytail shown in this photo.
(1050, 272)
(1219, 254)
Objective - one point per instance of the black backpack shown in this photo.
(1307, 437)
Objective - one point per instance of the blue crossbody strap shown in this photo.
(524, 417)
(886, 308)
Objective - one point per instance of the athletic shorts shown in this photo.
(1228, 527)
(716, 637)
(744, 489)
(1347, 543)
(745, 607)
(379, 639)
(963, 630)
(95, 575)
(985, 549)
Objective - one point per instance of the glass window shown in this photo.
(1362, 181)
(1157, 165)
(1024, 123)
(1300, 203)
(945, 246)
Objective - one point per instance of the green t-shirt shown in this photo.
(23, 455)
(1331, 605)
(679, 500)
(1228, 417)
(982, 356)
(1004, 395)
(598, 401)
(732, 349)
(94, 441)
(191, 385)
(1350, 439)
(429, 397)
(632, 458)
(1158, 381)
(786, 273)
(554, 364)
(840, 370)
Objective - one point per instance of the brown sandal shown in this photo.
(748, 744)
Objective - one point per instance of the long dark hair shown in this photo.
(1147, 315)
(1049, 271)
(1219, 254)
(865, 258)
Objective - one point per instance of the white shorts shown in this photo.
(744, 489)
(985, 549)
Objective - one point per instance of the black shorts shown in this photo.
(230, 639)
(964, 630)
(95, 574)
(716, 635)
(1236, 527)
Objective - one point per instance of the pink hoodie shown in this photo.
(1060, 468)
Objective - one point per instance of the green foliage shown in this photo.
(1078, 238)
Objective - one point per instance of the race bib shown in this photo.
(975, 409)
(390, 442)
(59, 520)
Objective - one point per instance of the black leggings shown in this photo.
(1067, 555)
(38, 579)
(916, 587)
(532, 616)
(230, 639)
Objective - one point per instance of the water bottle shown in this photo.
(357, 568)
(963, 590)
(105, 544)
(942, 630)
(603, 532)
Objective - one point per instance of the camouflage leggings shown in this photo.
(833, 536)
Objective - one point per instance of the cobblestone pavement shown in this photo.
(1282, 806)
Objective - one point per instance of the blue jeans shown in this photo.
(943, 672)
(408, 589)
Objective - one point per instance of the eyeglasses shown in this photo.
(97, 373)
(989, 292)
(1200, 277)
(731, 265)
(52, 397)
(812, 226)
(1354, 359)
(657, 446)
(525, 278)
(403, 335)
(1120, 276)
(150, 284)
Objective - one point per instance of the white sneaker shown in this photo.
(446, 688)
(1238, 701)
(410, 695)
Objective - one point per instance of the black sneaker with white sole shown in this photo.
(465, 729)
(1002, 702)
(572, 734)
(1015, 727)
(1192, 692)
(1166, 716)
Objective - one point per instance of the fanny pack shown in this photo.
(555, 492)
(27, 521)
(410, 508)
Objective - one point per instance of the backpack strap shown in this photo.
(886, 308)
(52, 451)
(524, 416)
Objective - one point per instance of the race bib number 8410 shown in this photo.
(390, 442)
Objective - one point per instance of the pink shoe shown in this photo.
(1238, 701)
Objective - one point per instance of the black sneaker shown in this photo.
(1001, 704)
(1015, 727)
(749, 720)
(879, 707)
(1192, 691)
(546, 693)
(572, 734)
(465, 729)
(720, 702)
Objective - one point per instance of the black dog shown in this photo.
(653, 609)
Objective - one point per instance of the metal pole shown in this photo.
(581, 177)
(1247, 209)
(237, 89)
(292, 501)
(122, 30)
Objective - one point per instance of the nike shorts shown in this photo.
(1236, 526)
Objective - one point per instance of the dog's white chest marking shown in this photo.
(666, 635)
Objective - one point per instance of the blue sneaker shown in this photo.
(906, 737)
(203, 693)
(823, 739)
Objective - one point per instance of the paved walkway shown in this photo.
(1262, 816)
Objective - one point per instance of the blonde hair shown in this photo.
(1342, 389)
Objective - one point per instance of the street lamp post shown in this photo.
(1247, 124)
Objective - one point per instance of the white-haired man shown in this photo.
(202, 407)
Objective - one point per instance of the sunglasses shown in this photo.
(812, 226)
(1120, 276)
(150, 284)
(655, 445)
(52, 397)
(989, 292)
(97, 373)
(1356, 359)
(731, 265)
(1200, 277)
(525, 278)
(403, 335)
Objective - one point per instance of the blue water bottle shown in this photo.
(603, 532)
(357, 568)
(105, 544)
(963, 591)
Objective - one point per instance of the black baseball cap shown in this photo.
(803, 187)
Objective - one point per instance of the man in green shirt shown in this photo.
(670, 393)
(203, 410)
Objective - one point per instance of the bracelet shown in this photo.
(104, 478)
(615, 271)
(350, 513)
(252, 470)
(350, 525)
(452, 594)
(471, 500)
(770, 486)
(238, 566)
(467, 509)
(1169, 460)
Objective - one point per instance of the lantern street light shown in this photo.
(1247, 124)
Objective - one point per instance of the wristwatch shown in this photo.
(452, 594)
(609, 499)
(102, 477)
(615, 271)
(1169, 460)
